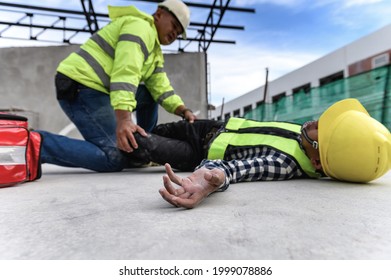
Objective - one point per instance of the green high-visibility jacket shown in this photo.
(121, 55)
(281, 136)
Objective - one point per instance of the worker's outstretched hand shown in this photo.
(191, 190)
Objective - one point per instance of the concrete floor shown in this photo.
(77, 214)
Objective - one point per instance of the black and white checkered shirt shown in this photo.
(255, 164)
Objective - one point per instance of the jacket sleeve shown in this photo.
(162, 91)
(135, 42)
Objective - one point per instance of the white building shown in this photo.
(362, 55)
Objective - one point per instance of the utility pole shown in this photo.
(222, 109)
(266, 84)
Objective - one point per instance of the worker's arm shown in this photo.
(213, 175)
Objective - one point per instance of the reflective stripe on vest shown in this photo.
(123, 86)
(158, 70)
(138, 40)
(164, 96)
(100, 72)
(109, 50)
(103, 44)
(237, 124)
(248, 133)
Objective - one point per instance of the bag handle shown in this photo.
(4, 116)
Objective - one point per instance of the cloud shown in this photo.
(352, 15)
(347, 4)
(58, 3)
(236, 71)
(288, 3)
(310, 3)
(350, 3)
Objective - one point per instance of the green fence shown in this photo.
(371, 88)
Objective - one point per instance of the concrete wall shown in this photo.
(27, 83)
(187, 73)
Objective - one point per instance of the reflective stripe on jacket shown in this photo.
(242, 133)
(120, 56)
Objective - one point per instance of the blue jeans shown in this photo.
(146, 109)
(94, 117)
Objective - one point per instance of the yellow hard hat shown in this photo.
(353, 146)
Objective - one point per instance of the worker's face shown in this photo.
(311, 129)
(167, 26)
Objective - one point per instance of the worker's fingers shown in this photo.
(132, 140)
(189, 202)
(140, 130)
(181, 197)
(169, 186)
(167, 196)
(191, 118)
(171, 174)
(175, 191)
(125, 138)
(123, 143)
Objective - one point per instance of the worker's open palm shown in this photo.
(191, 190)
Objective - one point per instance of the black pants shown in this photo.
(181, 144)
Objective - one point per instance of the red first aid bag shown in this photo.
(20, 151)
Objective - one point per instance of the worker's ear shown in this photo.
(158, 14)
(316, 163)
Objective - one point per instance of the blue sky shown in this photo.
(283, 35)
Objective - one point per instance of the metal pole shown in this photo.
(222, 109)
(266, 84)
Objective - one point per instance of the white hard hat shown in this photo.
(180, 11)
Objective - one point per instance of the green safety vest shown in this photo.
(121, 55)
(281, 136)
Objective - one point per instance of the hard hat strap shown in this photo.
(314, 143)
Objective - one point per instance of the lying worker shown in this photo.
(346, 144)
